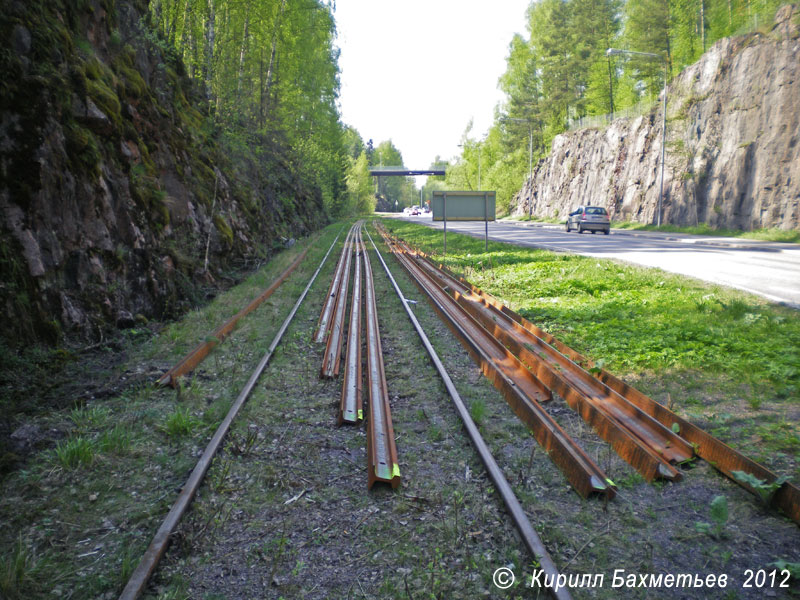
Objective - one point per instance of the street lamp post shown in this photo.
(616, 52)
(530, 157)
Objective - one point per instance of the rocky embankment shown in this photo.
(119, 199)
(732, 150)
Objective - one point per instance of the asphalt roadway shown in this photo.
(768, 269)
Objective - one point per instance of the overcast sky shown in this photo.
(417, 71)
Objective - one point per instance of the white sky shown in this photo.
(417, 71)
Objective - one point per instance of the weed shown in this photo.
(719, 514)
(792, 567)
(18, 570)
(75, 452)
(477, 409)
(86, 418)
(764, 490)
(180, 423)
(115, 441)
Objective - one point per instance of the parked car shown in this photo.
(407, 211)
(589, 218)
(414, 210)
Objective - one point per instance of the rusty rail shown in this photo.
(381, 450)
(140, 576)
(189, 362)
(322, 331)
(350, 409)
(638, 438)
(510, 377)
(529, 537)
(331, 360)
(718, 454)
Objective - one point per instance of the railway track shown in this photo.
(527, 365)
(158, 545)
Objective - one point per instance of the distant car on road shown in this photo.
(589, 218)
(414, 210)
(407, 211)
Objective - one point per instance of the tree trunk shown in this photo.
(270, 69)
(243, 52)
(209, 66)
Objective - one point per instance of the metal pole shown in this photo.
(663, 147)
(485, 222)
(444, 219)
(530, 171)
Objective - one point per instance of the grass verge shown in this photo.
(727, 360)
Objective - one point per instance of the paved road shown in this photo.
(768, 269)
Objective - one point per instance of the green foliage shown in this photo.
(180, 423)
(764, 490)
(75, 452)
(718, 510)
(792, 567)
(19, 569)
(269, 68)
(359, 187)
(477, 410)
(560, 73)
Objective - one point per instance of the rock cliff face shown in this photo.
(118, 200)
(732, 150)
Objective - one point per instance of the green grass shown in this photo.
(180, 423)
(19, 569)
(767, 235)
(734, 352)
(75, 452)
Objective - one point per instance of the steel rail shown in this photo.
(528, 534)
(718, 454)
(581, 471)
(189, 362)
(322, 332)
(638, 438)
(350, 408)
(333, 347)
(140, 576)
(381, 449)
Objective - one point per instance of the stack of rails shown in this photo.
(521, 389)
(643, 442)
(640, 429)
(383, 465)
(351, 405)
(331, 321)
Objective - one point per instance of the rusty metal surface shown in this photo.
(529, 536)
(721, 456)
(381, 449)
(638, 438)
(501, 367)
(350, 408)
(322, 331)
(140, 576)
(203, 349)
(332, 357)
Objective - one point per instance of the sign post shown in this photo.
(464, 206)
(444, 217)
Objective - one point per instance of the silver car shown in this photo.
(589, 218)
